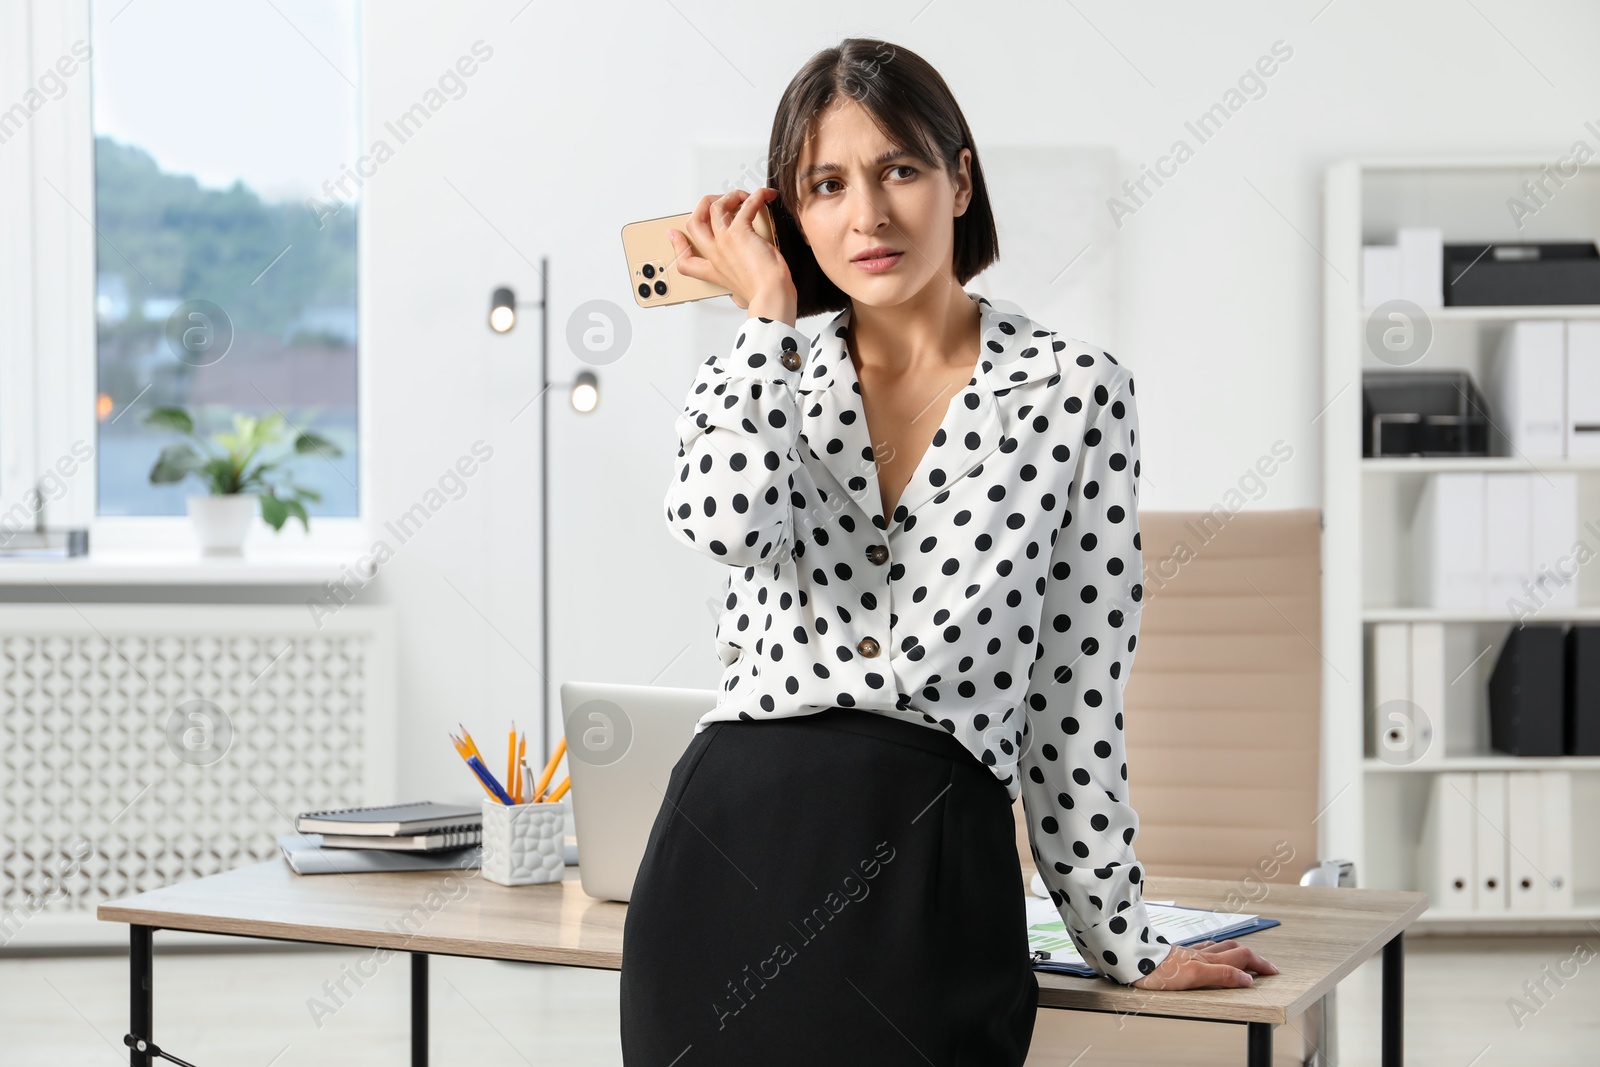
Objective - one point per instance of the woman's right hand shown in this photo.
(1207, 965)
(731, 253)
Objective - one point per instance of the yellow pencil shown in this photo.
(566, 783)
(511, 762)
(549, 769)
(522, 754)
(461, 749)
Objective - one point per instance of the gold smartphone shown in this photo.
(653, 270)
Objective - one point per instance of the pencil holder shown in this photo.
(522, 843)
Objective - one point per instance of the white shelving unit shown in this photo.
(1373, 810)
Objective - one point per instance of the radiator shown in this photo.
(142, 745)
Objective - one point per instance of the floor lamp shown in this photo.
(584, 395)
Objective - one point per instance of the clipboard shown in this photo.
(1041, 960)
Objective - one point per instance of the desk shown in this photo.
(1326, 934)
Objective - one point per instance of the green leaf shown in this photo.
(223, 475)
(273, 510)
(169, 418)
(175, 463)
(311, 441)
(298, 510)
(307, 494)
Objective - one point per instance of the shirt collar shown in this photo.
(1016, 350)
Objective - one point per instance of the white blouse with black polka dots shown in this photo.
(1009, 577)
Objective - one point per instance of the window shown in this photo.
(223, 281)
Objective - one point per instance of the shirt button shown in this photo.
(791, 360)
(877, 553)
(867, 646)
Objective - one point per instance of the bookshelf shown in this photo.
(1372, 810)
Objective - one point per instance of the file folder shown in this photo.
(1527, 389)
(1489, 796)
(1583, 389)
(1525, 842)
(1553, 520)
(1447, 550)
(1556, 813)
(1428, 683)
(1389, 692)
(1446, 858)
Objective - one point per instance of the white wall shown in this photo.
(583, 120)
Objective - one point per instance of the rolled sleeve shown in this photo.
(1074, 770)
(737, 452)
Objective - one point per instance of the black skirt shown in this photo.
(839, 887)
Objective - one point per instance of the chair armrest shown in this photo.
(1334, 873)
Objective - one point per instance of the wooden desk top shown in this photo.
(1326, 933)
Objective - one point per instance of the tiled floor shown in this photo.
(255, 1008)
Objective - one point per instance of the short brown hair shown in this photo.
(912, 105)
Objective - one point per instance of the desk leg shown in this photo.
(141, 950)
(1394, 1004)
(1258, 1044)
(419, 1009)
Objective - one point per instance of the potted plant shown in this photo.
(237, 474)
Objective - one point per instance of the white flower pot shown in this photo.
(222, 521)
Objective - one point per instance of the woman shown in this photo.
(915, 507)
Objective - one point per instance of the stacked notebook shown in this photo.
(390, 837)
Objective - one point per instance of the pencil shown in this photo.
(549, 768)
(511, 761)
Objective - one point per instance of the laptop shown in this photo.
(622, 743)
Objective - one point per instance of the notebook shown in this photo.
(388, 819)
(445, 837)
(1047, 933)
(305, 855)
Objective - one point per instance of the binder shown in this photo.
(1489, 796)
(1527, 385)
(1421, 265)
(1525, 842)
(1446, 859)
(1447, 553)
(1428, 684)
(1507, 536)
(1380, 274)
(1389, 692)
(1555, 812)
(1583, 388)
(1553, 521)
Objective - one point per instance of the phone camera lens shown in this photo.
(661, 288)
(644, 290)
(649, 270)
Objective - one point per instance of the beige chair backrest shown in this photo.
(1222, 709)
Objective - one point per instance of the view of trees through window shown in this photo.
(222, 300)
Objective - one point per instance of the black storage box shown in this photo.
(1553, 272)
(1583, 690)
(1527, 692)
(1422, 413)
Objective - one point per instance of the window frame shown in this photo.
(48, 305)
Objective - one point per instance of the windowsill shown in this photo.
(153, 567)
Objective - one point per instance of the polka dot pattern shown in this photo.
(999, 602)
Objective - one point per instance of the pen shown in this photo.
(483, 772)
